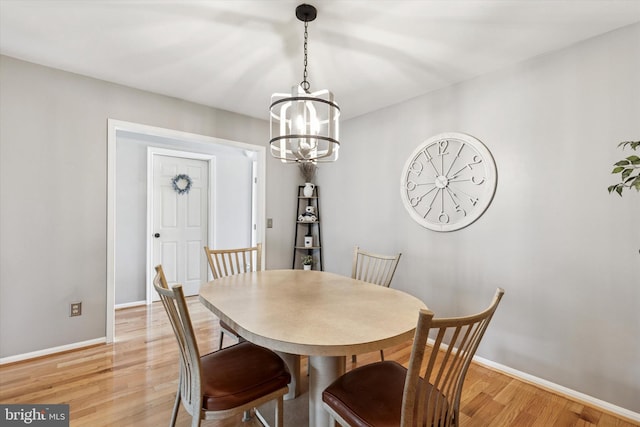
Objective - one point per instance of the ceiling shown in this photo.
(233, 54)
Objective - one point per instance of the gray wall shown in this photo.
(53, 195)
(231, 216)
(565, 250)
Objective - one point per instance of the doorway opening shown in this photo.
(129, 237)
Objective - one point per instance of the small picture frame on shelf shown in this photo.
(308, 241)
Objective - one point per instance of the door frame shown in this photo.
(113, 127)
(156, 151)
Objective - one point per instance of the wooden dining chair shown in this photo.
(228, 262)
(427, 393)
(373, 268)
(227, 382)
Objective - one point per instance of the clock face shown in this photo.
(448, 181)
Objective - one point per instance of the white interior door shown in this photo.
(179, 221)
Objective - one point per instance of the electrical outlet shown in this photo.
(269, 222)
(76, 309)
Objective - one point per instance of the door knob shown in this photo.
(156, 235)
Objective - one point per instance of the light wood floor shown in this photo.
(133, 381)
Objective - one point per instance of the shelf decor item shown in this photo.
(308, 170)
(308, 189)
(308, 241)
(307, 262)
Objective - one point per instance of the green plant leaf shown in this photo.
(629, 179)
(632, 144)
(626, 169)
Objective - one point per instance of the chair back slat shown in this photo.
(442, 363)
(176, 307)
(228, 262)
(374, 268)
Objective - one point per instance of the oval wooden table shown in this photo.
(323, 315)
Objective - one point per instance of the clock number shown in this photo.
(415, 169)
(442, 150)
(473, 180)
(442, 147)
(476, 160)
(427, 155)
(456, 203)
(443, 217)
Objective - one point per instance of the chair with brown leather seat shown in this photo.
(385, 394)
(227, 262)
(373, 268)
(227, 382)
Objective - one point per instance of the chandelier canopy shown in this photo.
(304, 124)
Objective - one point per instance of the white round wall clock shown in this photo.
(448, 181)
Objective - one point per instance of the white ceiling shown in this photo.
(233, 54)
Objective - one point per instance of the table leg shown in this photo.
(293, 363)
(323, 370)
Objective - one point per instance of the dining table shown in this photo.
(322, 315)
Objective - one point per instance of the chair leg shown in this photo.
(279, 411)
(221, 338)
(176, 407)
(382, 355)
(354, 358)
(246, 416)
(196, 419)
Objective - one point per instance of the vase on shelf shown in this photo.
(308, 189)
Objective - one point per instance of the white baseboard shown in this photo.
(548, 385)
(52, 350)
(130, 304)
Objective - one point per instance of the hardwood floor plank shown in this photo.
(133, 381)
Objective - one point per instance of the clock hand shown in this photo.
(471, 198)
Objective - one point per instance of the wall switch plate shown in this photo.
(76, 309)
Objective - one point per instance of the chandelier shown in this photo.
(304, 124)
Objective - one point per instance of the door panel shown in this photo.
(180, 220)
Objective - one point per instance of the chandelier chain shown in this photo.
(305, 84)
